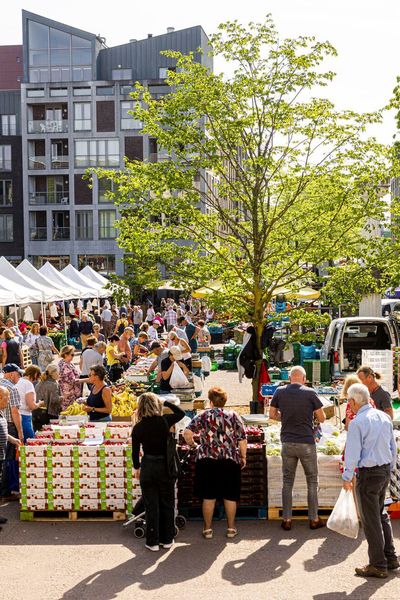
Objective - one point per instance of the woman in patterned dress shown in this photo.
(70, 388)
(221, 455)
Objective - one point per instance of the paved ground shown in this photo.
(103, 561)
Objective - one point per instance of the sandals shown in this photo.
(207, 534)
(231, 533)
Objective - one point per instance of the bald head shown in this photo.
(297, 375)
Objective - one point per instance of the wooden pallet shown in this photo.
(73, 515)
(298, 512)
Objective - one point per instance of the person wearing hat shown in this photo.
(9, 489)
(167, 366)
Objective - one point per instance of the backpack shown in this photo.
(121, 327)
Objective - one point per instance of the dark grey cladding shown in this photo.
(144, 58)
(10, 104)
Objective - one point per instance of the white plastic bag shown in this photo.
(198, 383)
(178, 378)
(344, 518)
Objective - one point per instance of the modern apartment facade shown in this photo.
(74, 115)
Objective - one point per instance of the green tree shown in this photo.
(264, 179)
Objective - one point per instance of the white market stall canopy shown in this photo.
(54, 276)
(108, 285)
(96, 289)
(55, 292)
(25, 289)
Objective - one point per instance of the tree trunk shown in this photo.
(258, 322)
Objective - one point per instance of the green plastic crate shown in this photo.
(317, 371)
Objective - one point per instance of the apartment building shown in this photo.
(74, 104)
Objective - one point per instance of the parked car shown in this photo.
(347, 337)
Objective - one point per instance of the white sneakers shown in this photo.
(167, 546)
(152, 548)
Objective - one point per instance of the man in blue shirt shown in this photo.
(371, 448)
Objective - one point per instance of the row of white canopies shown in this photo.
(24, 284)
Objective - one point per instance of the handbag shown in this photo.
(174, 469)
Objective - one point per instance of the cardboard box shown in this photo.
(115, 494)
(33, 451)
(63, 494)
(63, 471)
(34, 461)
(64, 450)
(115, 505)
(36, 504)
(87, 450)
(35, 484)
(61, 481)
(35, 494)
(114, 472)
(63, 504)
(61, 461)
(89, 483)
(115, 483)
(90, 505)
(88, 462)
(35, 472)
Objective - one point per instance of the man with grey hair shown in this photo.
(5, 437)
(371, 448)
(297, 406)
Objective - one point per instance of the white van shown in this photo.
(347, 337)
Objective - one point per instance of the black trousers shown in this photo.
(158, 497)
(372, 484)
(10, 476)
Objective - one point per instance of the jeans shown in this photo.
(136, 327)
(27, 427)
(158, 496)
(371, 488)
(10, 474)
(307, 454)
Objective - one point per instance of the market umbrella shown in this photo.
(207, 290)
(304, 293)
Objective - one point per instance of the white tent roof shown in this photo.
(81, 280)
(70, 288)
(53, 292)
(28, 291)
(7, 297)
(94, 276)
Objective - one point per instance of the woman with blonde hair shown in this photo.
(380, 396)
(48, 394)
(27, 394)
(151, 433)
(30, 341)
(350, 379)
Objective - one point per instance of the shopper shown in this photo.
(10, 478)
(11, 349)
(151, 433)
(170, 317)
(160, 353)
(124, 347)
(140, 346)
(96, 333)
(381, 397)
(99, 402)
(27, 394)
(175, 340)
(181, 328)
(372, 448)
(137, 318)
(113, 356)
(46, 348)
(167, 366)
(221, 454)
(85, 328)
(150, 314)
(5, 437)
(91, 357)
(48, 395)
(296, 406)
(30, 341)
(153, 331)
(204, 336)
(106, 315)
(121, 324)
(70, 388)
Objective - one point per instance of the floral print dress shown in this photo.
(69, 388)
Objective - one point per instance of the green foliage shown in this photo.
(311, 325)
(264, 178)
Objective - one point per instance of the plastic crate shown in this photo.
(229, 365)
(317, 370)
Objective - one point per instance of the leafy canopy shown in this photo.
(260, 179)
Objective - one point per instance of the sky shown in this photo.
(364, 32)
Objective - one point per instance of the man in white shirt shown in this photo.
(152, 331)
(91, 357)
(150, 314)
(106, 316)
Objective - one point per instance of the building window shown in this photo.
(57, 92)
(106, 224)
(86, 91)
(84, 225)
(92, 153)
(125, 90)
(102, 263)
(105, 186)
(61, 227)
(6, 192)
(6, 228)
(35, 93)
(9, 124)
(5, 158)
(121, 74)
(38, 225)
(58, 262)
(127, 121)
(163, 71)
(105, 90)
(82, 116)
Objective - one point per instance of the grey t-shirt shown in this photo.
(164, 354)
(381, 398)
(297, 404)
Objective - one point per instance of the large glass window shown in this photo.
(84, 225)
(101, 263)
(105, 186)
(102, 153)
(85, 91)
(121, 74)
(82, 116)
(127, 121)
(6, 228)
(6, 192)
(38, 35)
(5, 158)
(8, 124)
(106, 224)
(105, 90)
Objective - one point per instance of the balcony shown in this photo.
(60, 162)
(48, 198)
(48, 126)
(61, 233)
(36, 162)
(84, 233)
(38, 233)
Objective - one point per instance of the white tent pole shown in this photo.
(65, 322)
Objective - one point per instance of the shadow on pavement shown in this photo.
(333, 550)
(365, 590)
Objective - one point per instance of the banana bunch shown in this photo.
(74, 409)
(124, 404)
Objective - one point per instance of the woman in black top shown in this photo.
(167, 366)
(99, 401)
(11, 349)
(151, 432)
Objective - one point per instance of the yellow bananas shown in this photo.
(124, 404)
(73, 409)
